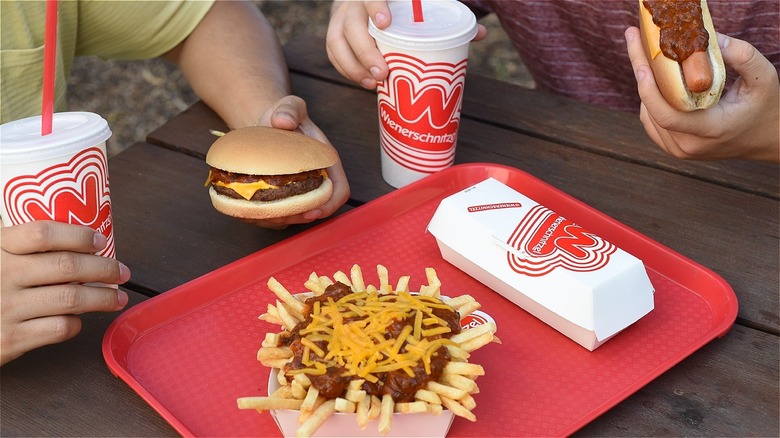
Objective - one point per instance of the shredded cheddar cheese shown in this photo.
(355, 334)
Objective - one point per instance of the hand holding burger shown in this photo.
(261, 173)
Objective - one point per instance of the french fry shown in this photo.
(310, 399)
(342, 277)
(459, 301)
(325, 281)
(427, 396)
(467, 309)
(316, 419)
(474, 332)
(265, 353)
(375, 408)
(356, 274)
(282, 392)
(476, 343)
(271, 315)
(304, 415)
(363, 407)
(433, 288)
(384, 280)
(446, 390)
(313, 284)
(294, 306)
(275, 363)
(464, 369)
(457, 353)
(403, 284)
(460, 382)
(298, 391)
(458, 409)
(414, 407)
(386, 414)
(288, 320)
(271, 340)
(344, 405)
(303, 380)
(468, 402)
(267, 403)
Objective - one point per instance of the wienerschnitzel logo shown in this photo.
(419, 111)
(551, 241)
(74, 192)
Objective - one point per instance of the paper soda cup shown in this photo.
(419, 103)
(62, 176)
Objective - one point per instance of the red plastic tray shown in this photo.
(191, 351)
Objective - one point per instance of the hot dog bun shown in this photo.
(669, 73)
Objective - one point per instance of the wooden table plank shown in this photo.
(563, 120)
(727, 388)
(67, 389)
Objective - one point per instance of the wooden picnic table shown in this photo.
(722, 215)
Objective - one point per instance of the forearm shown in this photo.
(234, 62)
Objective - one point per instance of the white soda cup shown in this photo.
(419, 103)
(62, 176)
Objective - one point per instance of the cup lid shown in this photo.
(447, 24)
(21, 140)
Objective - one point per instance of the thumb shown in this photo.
(288, 113)
(752, 67)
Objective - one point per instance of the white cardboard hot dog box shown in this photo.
(578, 283)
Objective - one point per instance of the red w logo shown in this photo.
(548, 241)
(438, 104)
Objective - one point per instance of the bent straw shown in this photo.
(417, 11)
(49, 67)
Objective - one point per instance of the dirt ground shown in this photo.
(136, 97)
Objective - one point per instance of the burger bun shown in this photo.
(264, 151)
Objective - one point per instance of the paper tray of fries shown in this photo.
(192, 351)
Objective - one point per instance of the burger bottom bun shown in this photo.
(289, 206)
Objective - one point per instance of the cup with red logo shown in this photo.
(62, 176)
(419, 103)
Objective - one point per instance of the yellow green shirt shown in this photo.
(109, 29)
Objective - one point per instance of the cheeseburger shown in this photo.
(260, 173)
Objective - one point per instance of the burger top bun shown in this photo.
(668, 73)
(259, 150)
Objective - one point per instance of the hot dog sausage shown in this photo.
(697, 72)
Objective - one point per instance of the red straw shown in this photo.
(417, 10)
(49, 66)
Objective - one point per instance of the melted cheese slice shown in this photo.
(354, 330)
(247, 190)
(653, 35)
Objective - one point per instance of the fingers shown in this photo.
(287, 113)
(753, 68)
(40, 236)
(64, 267)
(63, 299)
(29, 335)
(350, 47)
(44, 252)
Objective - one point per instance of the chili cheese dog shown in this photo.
(682, 49)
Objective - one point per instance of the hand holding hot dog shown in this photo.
(744, 123)
(351, 49)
